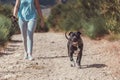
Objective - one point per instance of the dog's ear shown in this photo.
(78, 33)
(70, 33)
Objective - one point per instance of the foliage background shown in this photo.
(94, 17)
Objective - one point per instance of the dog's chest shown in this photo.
(77, 50)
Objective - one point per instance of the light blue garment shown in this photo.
(27, 29)
(27, 10)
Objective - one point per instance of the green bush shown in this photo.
(94, 17)
(95, 27)
(39, 29)
(6, 31)
(6, 9)
(110, 10)
(54, 17)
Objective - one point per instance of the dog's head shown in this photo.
(74, 37)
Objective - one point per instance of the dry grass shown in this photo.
(114, 37)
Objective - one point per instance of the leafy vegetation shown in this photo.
(39, 28)
(110, 9)
(6, 31)
(6, 9)
(94, 17)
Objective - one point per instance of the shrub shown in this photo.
(61, 16)
(71, 22)
(6, 31)
(94, 17)
(95, 27)
(38, 27)
(6, 9)
(53, 19)
(110, 10)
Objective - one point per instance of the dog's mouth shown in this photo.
(74, 43)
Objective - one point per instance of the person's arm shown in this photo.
(16, 7)
(38, 8)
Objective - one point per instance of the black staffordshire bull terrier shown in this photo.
(75, 43)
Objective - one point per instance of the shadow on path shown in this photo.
(94, 66)
(9, 50)
(54, 57)
(4, 53)
(16, 41)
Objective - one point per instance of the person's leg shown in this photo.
(30, 30)
(23, 29)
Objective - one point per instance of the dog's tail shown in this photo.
(66, 36)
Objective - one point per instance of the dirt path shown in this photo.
(101, 60)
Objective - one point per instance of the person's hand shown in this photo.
(14, 19)
(42, 24)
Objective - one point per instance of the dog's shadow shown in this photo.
(54, 57)
(94, 66)
(4, 53)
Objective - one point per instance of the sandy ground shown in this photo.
(100, 61)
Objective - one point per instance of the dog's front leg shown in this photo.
(79, 56)
(71, 58)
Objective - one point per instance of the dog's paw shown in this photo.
(78, 66)
(72, 64)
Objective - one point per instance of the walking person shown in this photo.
(27, 10)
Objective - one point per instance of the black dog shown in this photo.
(74, 43)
